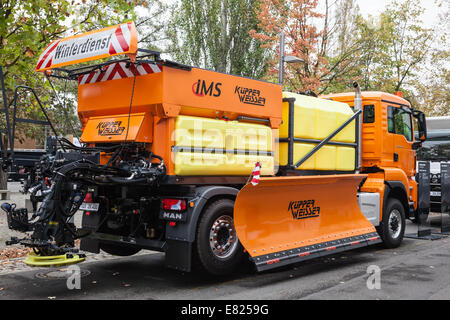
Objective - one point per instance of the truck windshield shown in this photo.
(399, 122)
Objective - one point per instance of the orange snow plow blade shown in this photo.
(284, 220)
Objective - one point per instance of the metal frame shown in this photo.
(445, 198)
(23, 120)
(73, 74)
(424, 231)
(320, 143)
(3, 149)
(245, 118)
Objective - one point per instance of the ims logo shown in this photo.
(202, 88)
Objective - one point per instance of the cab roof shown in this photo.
(375, 95)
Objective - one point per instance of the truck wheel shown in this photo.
(119, 250)
(392, 226)
(218, 247)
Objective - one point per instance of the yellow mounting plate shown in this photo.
(53, 261)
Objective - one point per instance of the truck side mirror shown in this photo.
(422, 125)
(416, 145)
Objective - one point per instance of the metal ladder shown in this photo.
(7, 154)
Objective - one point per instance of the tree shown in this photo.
(407, 42)
(393, 47)
(151, 23)
(214, 34)
(323, 37)
(346, 47)
(26, 28)
(432, 95)
(303, 39)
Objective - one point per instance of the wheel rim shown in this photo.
(395, 223)
(222, 237)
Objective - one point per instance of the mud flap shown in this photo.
(284, 220)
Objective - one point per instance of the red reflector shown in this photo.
(88, 198)
(373, 239)
(174, 204)
(353, 243)
(172, 223)
(273, 261)
(304, 254)
(330, 248)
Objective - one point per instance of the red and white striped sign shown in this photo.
(120, 42)
(256, 174)
(119, 70)
(107, 42)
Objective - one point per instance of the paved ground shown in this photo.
(19, 199)
(419, 269)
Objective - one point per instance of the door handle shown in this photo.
(395, 157)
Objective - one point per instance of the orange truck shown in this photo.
(168, 152)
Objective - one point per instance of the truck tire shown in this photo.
(392, 226)
(119, 250)
(218, 248)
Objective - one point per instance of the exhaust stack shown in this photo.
(358, 106)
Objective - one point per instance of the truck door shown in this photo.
(400, 123)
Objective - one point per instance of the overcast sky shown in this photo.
(374, 7)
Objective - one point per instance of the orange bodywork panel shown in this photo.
(174, 92)
(158, 98)
(378, 144)
(375, 184)
(282, 213)
(114, 129)
(390, 152)
(395, 174)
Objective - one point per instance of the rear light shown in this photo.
(88, 198)
(174, 204)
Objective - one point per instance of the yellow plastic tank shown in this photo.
(204, 146)
(316, 119)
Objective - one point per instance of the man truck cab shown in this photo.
(388, 149)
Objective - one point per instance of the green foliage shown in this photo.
(388, 52)
(393, 52)
(26, 28)
(214, 34)
(151, 24)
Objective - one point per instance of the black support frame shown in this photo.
(23, 120)
(4, 154)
